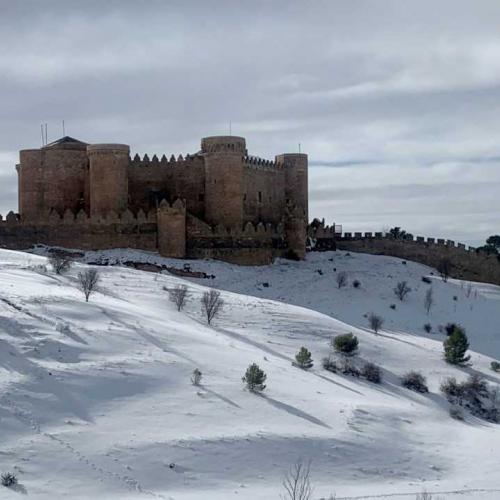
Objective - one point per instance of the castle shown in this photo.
(217, 203)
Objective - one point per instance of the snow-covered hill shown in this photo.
(96, 399)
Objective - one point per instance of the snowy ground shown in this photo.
(96, 399)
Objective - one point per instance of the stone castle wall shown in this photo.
(264, 190)
(170, 177)
(466, 262)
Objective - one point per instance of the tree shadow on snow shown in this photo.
(292, 410)
(220, 396)
(19, 488)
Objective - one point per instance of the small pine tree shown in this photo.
(254, 378)
(303, 358)
(8, 479)
(455, 347)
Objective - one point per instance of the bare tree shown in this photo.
(60, 263)
(375, 322)
(468, 290)
(444, 268)
(179, 296)
(297, 482)
(196, 377)
(424, 496)
(401, 290)
(429, 300)
(341, 279)
(88, 281)
(211, 304)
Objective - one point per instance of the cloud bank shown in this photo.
(397, 103)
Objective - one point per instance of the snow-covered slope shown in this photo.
(96, 399)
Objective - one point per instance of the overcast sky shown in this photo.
(397, 103)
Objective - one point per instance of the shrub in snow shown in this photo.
(341, 279)
(303, 359)
(8, 479)
(372, 373)
(211, 304)
(88, 281)
(401, 290)
(456, 412)
(179, 296)
(375, 321)
(254, 378)
(60, 263)
(356, 283)
(347, 367)
(452, 389)
(196, 377)
(473, 394)
(428, 327)
(455, 347)
(424, 496)
(495, 366)
(427, 280)
(38, 268)
(346, 344)
(329, 364)
(393, 306)
(415, 381)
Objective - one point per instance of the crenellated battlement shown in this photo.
(409, 238)
(164, 160)
(80, 217)
(261, 164)
(465, 262)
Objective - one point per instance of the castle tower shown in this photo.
(296, 183)
(171, 221)
(52, 178)
(224, 179)
(297, 200)
(108, 178)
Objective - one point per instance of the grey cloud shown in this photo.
(360, 84)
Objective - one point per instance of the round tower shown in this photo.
(108, 178)
(296, 181)
(224, 157)
(297, 201)
(52, 178)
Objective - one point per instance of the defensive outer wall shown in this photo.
(465, 262)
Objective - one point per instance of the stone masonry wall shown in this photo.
(181, 177)
(466, 262)
(263, 190)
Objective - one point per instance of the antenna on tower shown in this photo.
(64, 131)
(46, 136)
(299, 147)
(230, 128)
(41, 130)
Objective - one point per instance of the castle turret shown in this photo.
(224, 179)
(296, 183)
(52, 178)
(297, 200)
(108, 178)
